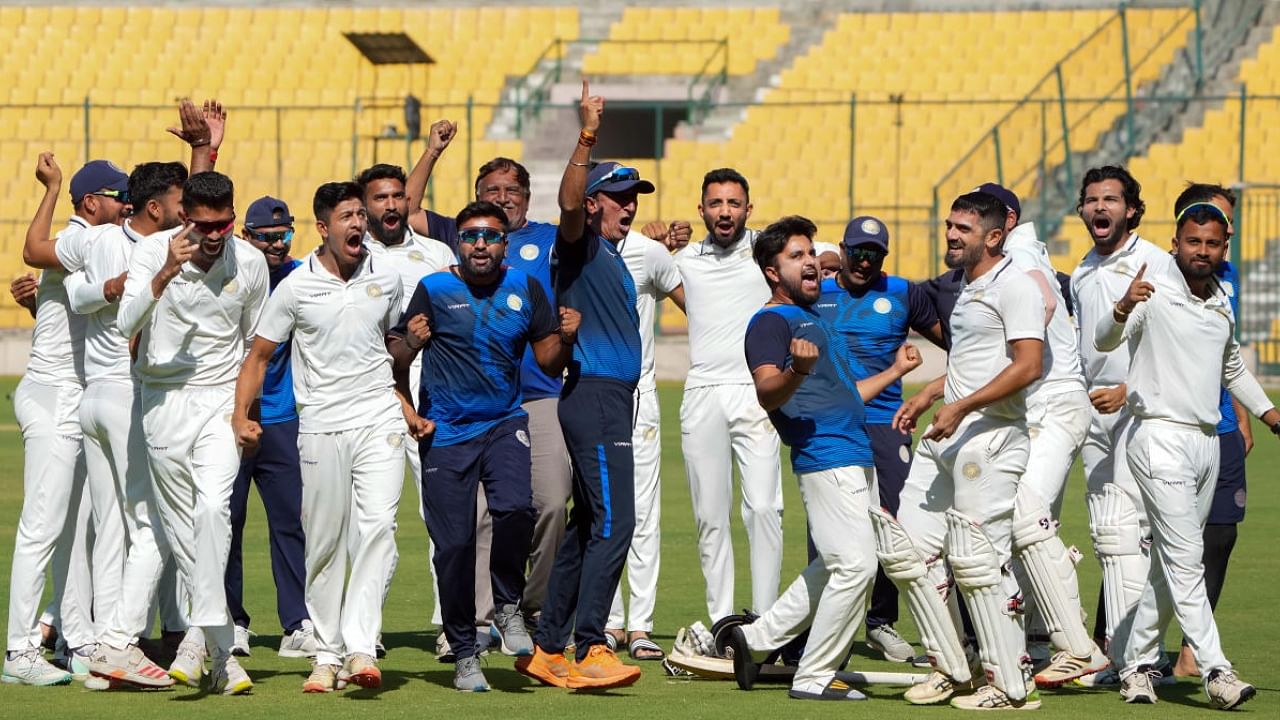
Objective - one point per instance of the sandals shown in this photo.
(643, 648)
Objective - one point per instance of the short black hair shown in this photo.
(381, 171)
(991, 210)
(774, 238)
(1131, 189)
(153, 179)
(482, 208)
(1202, 192)
(502, 164)
(1204, 213)
(331, 194)
(726, 175)
(209, 189)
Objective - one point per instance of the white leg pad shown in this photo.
(926, 588)
(991, 595)
(1051, 568)
(1117, 539)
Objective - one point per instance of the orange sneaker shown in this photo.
(363, 669)
(547, 668)
(601, 669)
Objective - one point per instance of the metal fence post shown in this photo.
(355, 136)
(853, 152)
(933, 228)
(88, 134)
(279, 154)
(471, 140)
(1066, 126)
(995, 141)
(1244, 99)
(1199, 48)
(1128, 84)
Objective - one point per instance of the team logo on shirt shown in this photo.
(230, 286)
(1033, 432)
(514, 303)
(395, 439)
(416, 256)
(529, 251)
(374, 291)
(978, 294)
(523, 437)
(1229, 288)
(904, 453)
(882, 305)
(971, 471)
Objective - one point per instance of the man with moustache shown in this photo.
(476, 321)
(805, 381)
(1179, 331)
(268, 227)
(337, 308)
(193, 300)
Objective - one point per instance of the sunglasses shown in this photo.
(618, 174)
(490, 236)
(214, 227)
(863, 254)
(120, 196)
(271, 238)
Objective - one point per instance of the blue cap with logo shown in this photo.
(96, 176)
(615, 177)
(267, 211)
(866, 230)
(1004, 195)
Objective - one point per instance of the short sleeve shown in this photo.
(280, 314)
(1022, 308)
(543, 320)
(419, 304)
(921, 315)
(662, 268)
(394, 300)
(69, 247)
(768, 341)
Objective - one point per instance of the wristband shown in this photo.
(586, 138)
(1275, 428)
(213, 156)
(793, 369)
(200, 143)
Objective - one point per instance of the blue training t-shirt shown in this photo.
(471, 365)
(1229, 279)
(873, 324)
(591, 277)
(823, 422)
(277, 401)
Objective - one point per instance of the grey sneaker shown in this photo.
(227, 677)
(1226, 690)
(467, 676)
(1136, 687)
(884, 639)
(28, 667)
(509, 623)
(240, 647)
(300, 643)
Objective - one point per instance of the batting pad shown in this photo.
(1052, 570)
(990, 595)
(926, 588)
(1117, 539)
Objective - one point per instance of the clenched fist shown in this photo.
(419, 332)
(569, 321)
(804, 355)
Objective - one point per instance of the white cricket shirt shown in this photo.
(723, 289)
(341, 368)
(655, 275)
(57, 340)
(196, 333)
(1096, 285)
(993, 310)
(1062, 371)
(1182, 350)
(415, 258)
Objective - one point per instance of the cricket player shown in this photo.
(1180, 334)
(1110, 205)
(720, 419)
(804, 379)
(476, 321)
(960, 492)
(194, 300)
(46, 405)
(596, 211)
(337, 307)
(655, 276)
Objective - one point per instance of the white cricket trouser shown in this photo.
(194, 463)
(49, 419)
(830, 596)
(719, 423)
(646, 541)
(351, 483)
(129, 547)
(73, 607)
(1176, 469)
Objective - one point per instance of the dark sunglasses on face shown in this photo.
(488, 235)
(863, 254)
(271, 238)
(120, 196)
(214, 227)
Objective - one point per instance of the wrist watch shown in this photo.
(1275, 428)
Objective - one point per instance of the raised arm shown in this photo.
(1115, 326)
(774, 385)
(439, 136)
(38, 248)
(554, 351)
(153, 265)
(202, 128)
(573, 185)
(907, 359)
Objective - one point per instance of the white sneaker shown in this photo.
(444, 653)
(1136, 687)
(28, 667)
(129, 665)
(1226, 690)
(78, 662)
(240, 647)
(227, 677)
(886, 640)
(988, 697)
(188, 661)
(1065, 667)
(1104, 678)
(937, 688)
(323, 679)
(300, 643)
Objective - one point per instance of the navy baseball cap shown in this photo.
(866, 230)
(267, 211)
(97, 175)
(1004, 195)
(615, 177)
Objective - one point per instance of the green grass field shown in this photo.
(416, 685)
